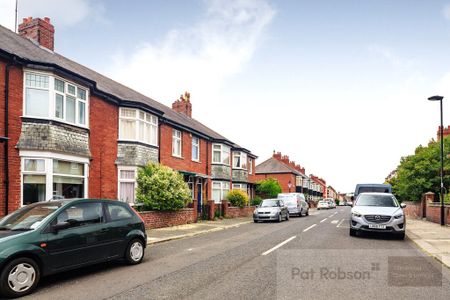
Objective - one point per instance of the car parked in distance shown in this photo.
(323, 204)
(271, 210)
(378, 212)
(296, 203)
(331, 202)
(54, 236)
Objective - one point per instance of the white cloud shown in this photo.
(197, 58)
(446, 11)
(399, 63)
(62, 13)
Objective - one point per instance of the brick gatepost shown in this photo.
(225, 206)
(212, 207)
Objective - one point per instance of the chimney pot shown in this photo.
(183, 105)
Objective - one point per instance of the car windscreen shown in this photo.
(376, 200)
(269, 203)
(28, 217)
(373, 189)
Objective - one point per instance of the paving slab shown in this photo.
(432, 238)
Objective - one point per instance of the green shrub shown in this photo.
(256, 201)
(161, 188)
(237, 198)
(268, 188)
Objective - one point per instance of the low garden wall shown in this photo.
(237, 212)
(413, 209)
(433, 213)
(159, 219)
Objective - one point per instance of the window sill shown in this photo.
(196, 161)
(176, 156)
(220, 164)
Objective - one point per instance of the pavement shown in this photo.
(160, 235)
(432, 238)
(304, 258)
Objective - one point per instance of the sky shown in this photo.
(339, 86)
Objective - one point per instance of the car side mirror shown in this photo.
(402, 205)
(352, 198)
(59, 226)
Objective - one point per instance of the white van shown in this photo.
(296, 203)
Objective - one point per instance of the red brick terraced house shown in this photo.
(68, 131)
(319, 187)
(291, 176)
(331, 193)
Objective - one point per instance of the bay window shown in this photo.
(239, 160)
(45, 178)
(136, 125)
(240, 186)
(195, 149)
(221, 154)
(49, 97)
(176, 143)
(250, 166)
(220, 190)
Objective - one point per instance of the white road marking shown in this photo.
(190, 249)
(340, 222)
(334, 221)
(323, 220)
(312, 226)
(279, 245)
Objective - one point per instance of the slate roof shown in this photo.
(273, 166)
(31, 54)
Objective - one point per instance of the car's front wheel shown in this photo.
(19, 277)
(135, 252)
(352, 232)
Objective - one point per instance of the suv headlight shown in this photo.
(356, 214)
(399, 216)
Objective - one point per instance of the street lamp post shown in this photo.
(441, 133)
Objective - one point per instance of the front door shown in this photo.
(199, 197)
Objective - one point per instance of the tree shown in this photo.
(237, 198)
(420, 173)
(161, 188)
(268, 188)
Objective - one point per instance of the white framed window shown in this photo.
(220, 190)
(127, 184)
(240, 160)
(221, 154)
(139, 126)
(51, 97)
(250, 166)
(176, 143)
(48, 176)
(195, 149)
(240, 186)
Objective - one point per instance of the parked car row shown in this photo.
(281, 208)
(326, 203)
(54, 236)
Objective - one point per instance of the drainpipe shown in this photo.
(207, 169)
(6, 166)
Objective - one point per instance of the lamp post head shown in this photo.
(435, 98)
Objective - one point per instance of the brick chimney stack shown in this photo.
(38, 30)
(183, 105)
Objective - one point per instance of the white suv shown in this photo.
(377, 212)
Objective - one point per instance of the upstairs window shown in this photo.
(176, 143)
(37, 95)
(250, 166)
(195, 149)
(70, 102)
(221, 154)
(53, 98)
(136, 125)
(240, 160)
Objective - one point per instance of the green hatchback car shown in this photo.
(54, 236)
